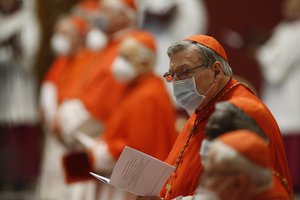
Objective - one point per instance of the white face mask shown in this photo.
(186, 94)
(61, 45)
(204, 149)
(123, 71)
(96, 39)
(206, 194)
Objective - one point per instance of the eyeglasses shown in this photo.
(184, 74)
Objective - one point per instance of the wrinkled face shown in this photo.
(221, 121)
(183, 64)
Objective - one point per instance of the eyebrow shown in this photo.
(181, 67)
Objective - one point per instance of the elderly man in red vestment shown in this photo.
(90, 97)
(145, 112)
(238, 166)
(201, 77)
(68, 43)
(237, 114)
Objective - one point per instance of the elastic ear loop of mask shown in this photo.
(204, 149)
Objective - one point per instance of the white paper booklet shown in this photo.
(138, 173)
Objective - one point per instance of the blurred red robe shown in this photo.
(144, 120)
(276, 192)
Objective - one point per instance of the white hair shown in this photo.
(145, 53)
(261, 177)
(209, 55)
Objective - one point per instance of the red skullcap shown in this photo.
(130, 3)
(89, 5)
(209, 42)
(249, 145)
(145, 38)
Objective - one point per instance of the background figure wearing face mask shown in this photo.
(241, 161)
(98, 92)
(89, 10)
(19, 132)
(145, 117)
(68, 44)
(279, 59)
(88, 92)
(242, 113)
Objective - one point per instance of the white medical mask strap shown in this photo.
(204, 150)
(195, 86)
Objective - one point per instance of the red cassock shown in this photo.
(185, 179)
(276, 192)
(57, 68)
(102, 92)
(144, 120)
(72, 82)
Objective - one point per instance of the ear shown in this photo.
(217, 68)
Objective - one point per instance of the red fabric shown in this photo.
(146, 39)
(144, 120)
(72, 81)
(187, 176)
(89, 5)
(66, 73)
(277, 192)
(80, 24)
(57, 68)
(209, 42)
(77, 167)
(130, 3)
(102, 92)
(256, 150)
(249, 145)
(89, 78)
(263, 117)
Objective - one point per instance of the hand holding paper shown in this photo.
(138, 173)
